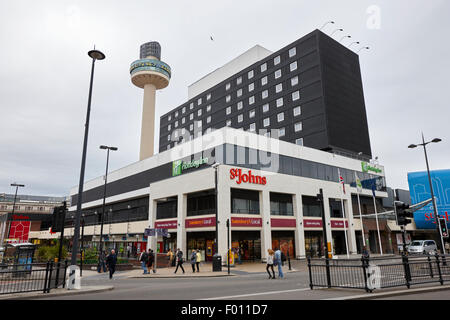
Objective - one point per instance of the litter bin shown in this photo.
(217, 262)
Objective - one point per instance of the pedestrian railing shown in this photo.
(378, 273)
(19, 278)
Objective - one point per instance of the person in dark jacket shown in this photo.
(179, 258)
(193, 260)
(151, 259)
(111, 261)
(101, 262)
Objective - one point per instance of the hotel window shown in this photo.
(295, 95)
(228, 122)
(191, 127)
(208, 96)
(239, 93)
(250, 74)
(168, 137)
(208, 131)
(252, 127)
(294, 81)
(298, 127)
(199, 124)
(293, 66)
(176, 123)
(208, 120)
(175, 133)
(278, 74)
(191, 137)
(281, 132)
(251, 100)
(297, 111)
(265, 107)
(252, 113)
(199, 112)
(228, 86)
(228, 110)
(265, 94)
(169, 127)
(279, 88)
(292, 52)
(169, 118)
(299, 141)
(263, 67)
(251, 87)
(228, 98)
(239, 80)
(191, 116)
(264, 80)
(191, 106)
(240, 118)
(208, 108)
(280, 116)
(267, 134)
(240, 105)
(266, 122)
(176, 114)
(199, 101)
(279, 102)
(183, 130)
(183, 120)
(276, 60)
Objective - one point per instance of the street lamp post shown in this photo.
(95, 55)
(104, 198)
(436, 216)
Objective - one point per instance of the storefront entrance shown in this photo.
(284, 240)
(203, 241)
(339, 245)
(170, 243)
(249, 242)
(314, 243)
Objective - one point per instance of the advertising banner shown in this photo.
(246, 222)
(201, 223)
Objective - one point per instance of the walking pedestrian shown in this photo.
(179, 258)
(270, 264)
(277, 262)
(144, 260)
(169, 258)
(199, 258)
(151, 259)
(101, 262)
(111, 261)
(193, 260)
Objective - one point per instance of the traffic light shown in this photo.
(403, 213)
(58, 218)
(444, 229)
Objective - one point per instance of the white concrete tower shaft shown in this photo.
(150, 74)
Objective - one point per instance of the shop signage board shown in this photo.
(166, 224)
(179, 166)
(200, 222)
(338, 224)
(309, 223)
(367, 167)
(240, 177)
(246, 222)
(283, 223)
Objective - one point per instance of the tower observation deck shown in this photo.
(150, 74)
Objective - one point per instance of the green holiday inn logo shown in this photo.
(366, 168)
(178, 166)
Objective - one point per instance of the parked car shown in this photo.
(422, 247)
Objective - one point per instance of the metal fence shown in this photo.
(378, 273)
(19, 278)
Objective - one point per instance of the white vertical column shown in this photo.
(224, 211)
(181, 227)
(299, 229)
(351, 236)
(326, 207)
(152, 209)
(266, 235)
(148, 122)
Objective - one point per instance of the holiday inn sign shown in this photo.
(366, 168)
(179, 165)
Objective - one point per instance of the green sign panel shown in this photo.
(178, 166)
(367, 167)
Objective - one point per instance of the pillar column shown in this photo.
(152, 209)
(181, 227)
(224, 212)
(326, 205)
(351, 235)
(299, 229)
(148, 122)
(266, 234)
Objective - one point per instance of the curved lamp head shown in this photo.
(412, 146)
(96, 55)
(435, 140)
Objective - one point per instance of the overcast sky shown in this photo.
(44, 75)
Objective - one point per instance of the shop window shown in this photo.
(165, 210)
(281, 204)
(244, 201)
(311, 207)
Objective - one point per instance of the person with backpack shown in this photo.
(277, 262)
(144, 259)
(179, 257)
(193, 260)
(270, 264)
(151, 259)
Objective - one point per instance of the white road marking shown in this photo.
(257, 294)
